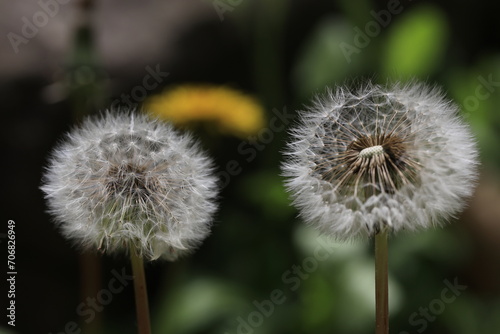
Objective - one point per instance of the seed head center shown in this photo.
(371, 151)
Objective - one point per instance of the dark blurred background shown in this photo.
(259, 271)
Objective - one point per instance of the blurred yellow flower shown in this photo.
(228, 109)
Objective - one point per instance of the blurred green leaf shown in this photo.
(322, 61)
(468, 314)
(308, 239)
(343, 284)
(477, 91)
(320, 299)
(416, 44)
(265, 189)
(195, 305)
(357, 11)
(438, 244)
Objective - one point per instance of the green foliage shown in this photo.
(416, 44)
(322, 61)
(477, 90)
(196, 304)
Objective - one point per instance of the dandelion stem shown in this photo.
(381, 284)
(141, 294)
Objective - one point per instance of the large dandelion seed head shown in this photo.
(124, 180)
(396, 158)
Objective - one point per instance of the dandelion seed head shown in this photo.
(125, 179)
(396, 157)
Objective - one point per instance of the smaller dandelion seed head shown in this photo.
(396, 157)
(126, 179)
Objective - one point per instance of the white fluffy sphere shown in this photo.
(124, 180)
(396, 157)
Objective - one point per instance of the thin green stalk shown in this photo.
(381, 284)
(141, 293)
